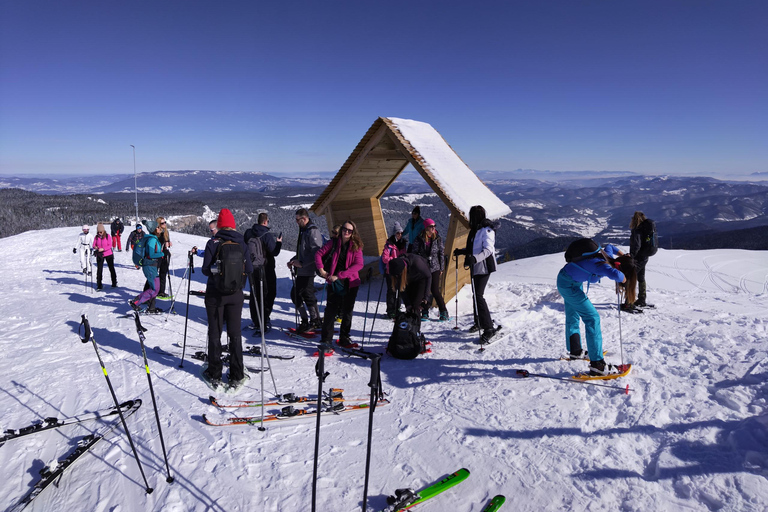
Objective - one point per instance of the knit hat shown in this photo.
(398, 228)
(396, 266)
(226, 219)
(151, 226)
(86, 227)
(429, 222)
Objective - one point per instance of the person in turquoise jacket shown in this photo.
(414, 227)
(587, 261)
(150, 262)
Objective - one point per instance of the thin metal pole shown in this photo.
(135, 184)
(186, 312)
(456, 296)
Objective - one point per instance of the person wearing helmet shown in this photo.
(85, 248)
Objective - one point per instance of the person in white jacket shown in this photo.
(85, 248)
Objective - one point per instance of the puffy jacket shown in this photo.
(309, 243)
(413, 229)
(595, 268)
(354, 261)
(103, 243)
(223, 235)
(433, 252)
(271, 244)
(154, 252)
(392, 250)
(116, 227)
(483, 248)
(134, 237)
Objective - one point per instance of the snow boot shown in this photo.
(444, 316)
(213, 384)
(601, 369)
(303, 327)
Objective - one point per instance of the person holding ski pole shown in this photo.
(587, 261)
(394, 247)
(643, 243)
(270, 248)
(430, 246)
(303, 292)
(343, 281)
(102, 246)
(147, 254)
(165, 240)
(480, 257)
(85, 247)
(227, 262)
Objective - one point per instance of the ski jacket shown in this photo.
(482, 245)
(392, 249)
(595, 268)
(354, 261)
(413, 229)
(636, 240)
(154, 252)
(116, 227)
(134, 237)
(271, 245)
(84, 242)
(433, 251)
(308, 244)
(418, 270)
(102, 243)
(223, 235)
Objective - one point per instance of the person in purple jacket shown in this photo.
(587, 261)
(342, 281)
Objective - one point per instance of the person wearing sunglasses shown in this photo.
(394, 247)
(303, 264)
(430, 246)
(102, 247)
(165, 240)
(342, 281)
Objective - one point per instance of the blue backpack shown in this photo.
(141, 252)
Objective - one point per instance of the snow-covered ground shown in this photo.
(690, 435)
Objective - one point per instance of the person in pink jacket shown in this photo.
(102, 248)
(342, 281)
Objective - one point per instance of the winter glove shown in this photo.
(459, 252)
(74, 251)
(469, 261)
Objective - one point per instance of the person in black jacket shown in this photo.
(412, 278)
(224, 309)
(117, 232)
(640, 225)
(271, 245)
(430, 245)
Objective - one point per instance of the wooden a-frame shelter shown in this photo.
(381, 155)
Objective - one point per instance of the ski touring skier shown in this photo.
(102, 247)
(480, 257)
(394, 247)
(303, 291)
(84, 248)
(226, 263)
(146, 254)
(587, 261)
(430, 245)
(342, 281)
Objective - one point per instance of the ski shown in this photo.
(53, 472)
(495, 503)
(51, 422)
(255, 350)
(623, 369)
(407, 498)
(334, 395)
(290, 412)
(498, 334)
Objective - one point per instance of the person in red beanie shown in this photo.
(224, 301)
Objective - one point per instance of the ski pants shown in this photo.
(304, 293)
(100, 268)
(85, 257)
(270, 292)
(343, 304)
(435, 292)
(163, 269)
(116, 242)
(578, 307)
(393, 299)
(640, 268)
(149, 293)
(483, 314)
(225, 310)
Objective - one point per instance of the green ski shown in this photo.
(495, 503)
(407, 498)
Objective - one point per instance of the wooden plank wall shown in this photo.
(367, 215)
(456, 237)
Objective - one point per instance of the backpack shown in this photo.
(649, 239)
(406, 342)
(141, 252)
(258, 252)
(231, 265)
(579, 247)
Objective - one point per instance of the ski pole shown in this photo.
(295, 298)
(173, 300)
(140, 330)
(526, 373)
(186, 313)
(474, 299)
(376, 394)
(367, 300)
(378, 301)
(87, 337)
(321, 376)
(170, 287)
(456, 296)
(621, 343)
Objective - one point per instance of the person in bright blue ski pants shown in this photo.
(578, 307)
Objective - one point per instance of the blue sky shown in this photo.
(291, 86)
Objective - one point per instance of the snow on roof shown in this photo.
(450, 173)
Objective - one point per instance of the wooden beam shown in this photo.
(456, 237)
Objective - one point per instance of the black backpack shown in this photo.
(406, 342)
(649, 239)
(230, 263)
(258, 252)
